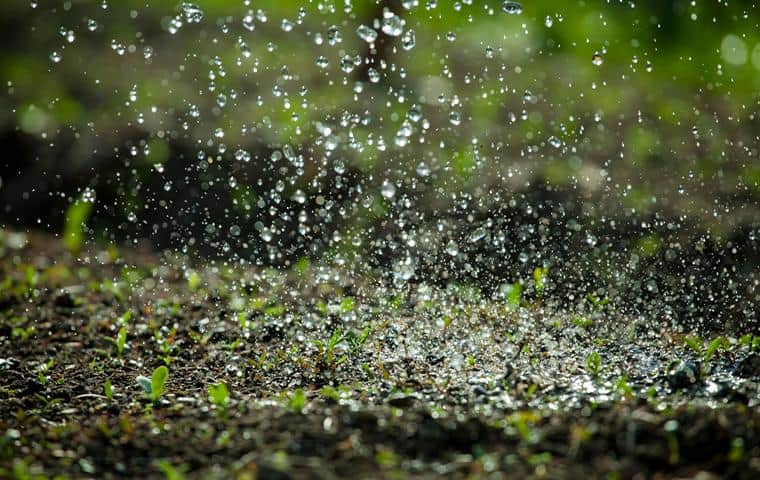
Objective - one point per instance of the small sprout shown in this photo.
(219, 395)
(124, 319)
(347, 305)
(329, 392)
(297, 401)
(513, 294)
(719, 343)
(43, 379)
(121, 340)
(74, 224)
(594, 364)
(750, 341)
(694, 343)
(671, 434)
(108, 390)
(623, 388)
(193, 280)
(386, 458)
(736, 453)
(171, 472)
(154, 387)
(582, 322)
(706, 351)
(540, 274)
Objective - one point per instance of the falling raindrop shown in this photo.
(388, 189)
(366, 33)
(512, 8)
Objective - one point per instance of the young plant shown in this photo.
(297, 400)
(706, 350)
(219, 395)
(327, 349)
(594, 364)
(121, 340)
(108, 390)
(154, 387)
(74, 224)
(540, 276)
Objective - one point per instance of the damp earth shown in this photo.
(346, 239)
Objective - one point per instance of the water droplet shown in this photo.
(548, 21)
(477, 234)
(388, 190)
(55, 57)
(452, 248)
(392, 25)
(366, 33)
(408, 40)
(597, 59)
(512, 8)
(322, 62)
(192, 13)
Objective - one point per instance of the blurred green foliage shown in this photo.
(676, 92)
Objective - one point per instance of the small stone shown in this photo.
(749, 367)
(683, 375)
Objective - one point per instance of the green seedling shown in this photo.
(540, 275)
(327, 349)
(347, 305)
(121, 340)
(706, 350)
(750, 341)
(582, 322)
(74, 224)
(193, 280)
(622, 387)
(43, 379)
(108, 390)
(594, 364)
(170, 471)
(513, 294)
(297, 400)
(219, 395)
(154, 387)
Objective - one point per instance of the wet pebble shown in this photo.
(749, 367)
(684, 375)
(402, 400)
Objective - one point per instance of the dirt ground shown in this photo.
(330, 376)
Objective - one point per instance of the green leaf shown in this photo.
(347, 305)
(158, 382)
(694, 343)
(145, 384)
(720, 343)
(594, 364)
(74, 223)
(514, 295)
(108, 389)
(297, 401)
(121, 340)
(219, 395)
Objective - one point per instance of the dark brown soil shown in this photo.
(359, 418)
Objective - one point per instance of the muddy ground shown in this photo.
(329, 375)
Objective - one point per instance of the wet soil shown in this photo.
(421, 381)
